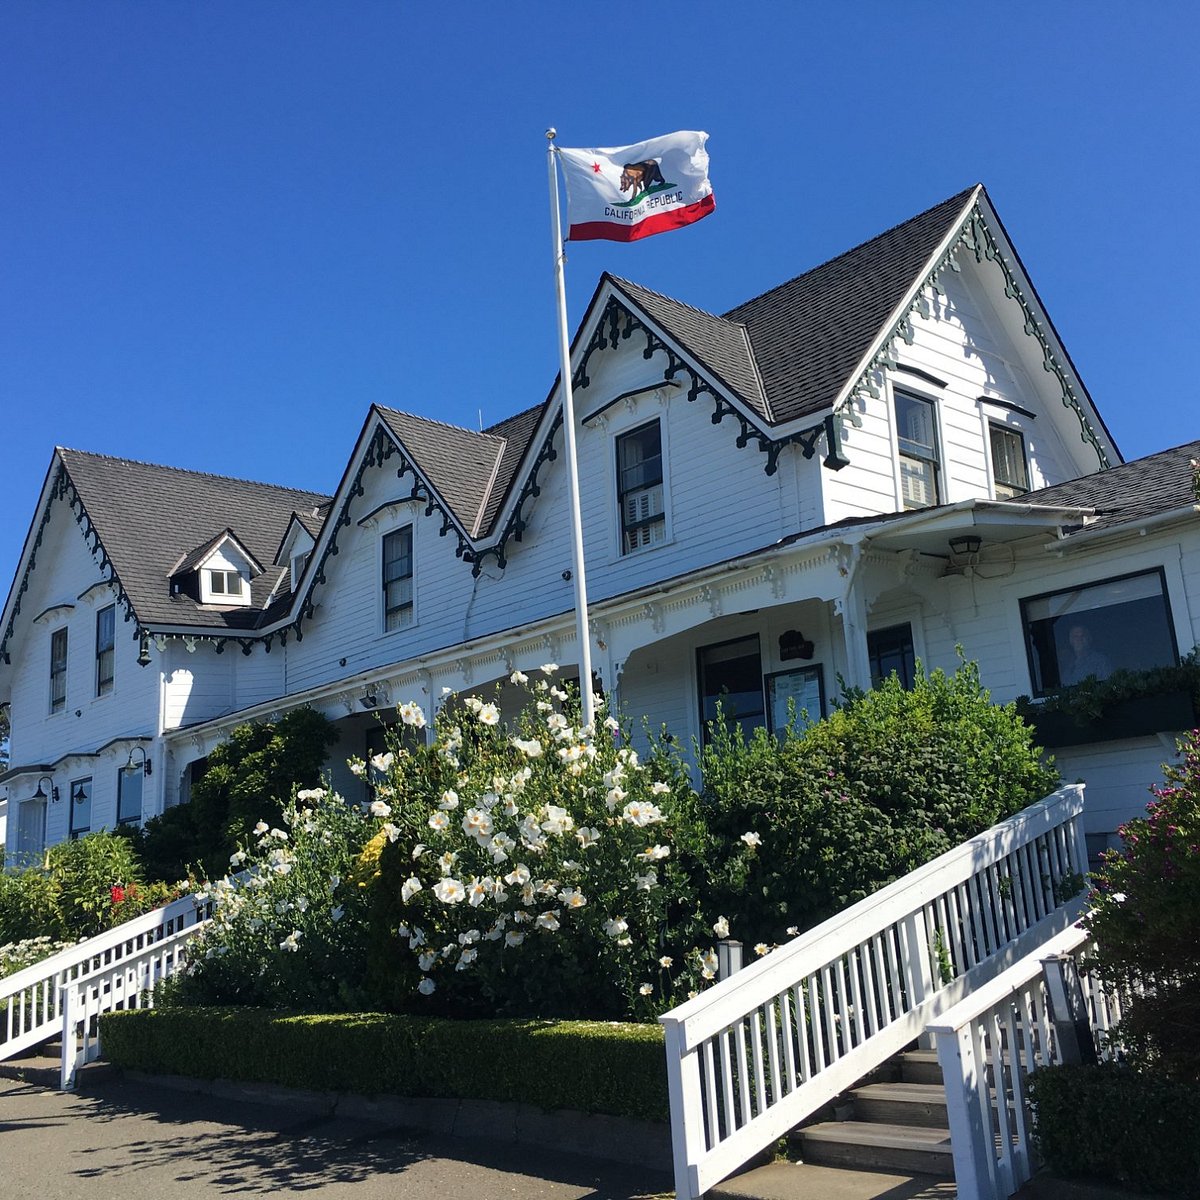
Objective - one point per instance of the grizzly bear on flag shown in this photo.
(640, 176)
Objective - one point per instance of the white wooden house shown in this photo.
(883, 458)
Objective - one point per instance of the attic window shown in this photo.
(224, 587)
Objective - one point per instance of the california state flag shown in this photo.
(622, 193)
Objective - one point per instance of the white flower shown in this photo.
(761, 948)
(334, 882)
(665, 961)
(447, 691)
(426, 959)
(292, 941)
(654, 853)
(449, 800)
(616, 927)
(612, 724)
(383, 762)
(449, 891)
(558, 820)
(438, 821)
(647, 989)
(514, 937)
(548, 920)
(358, 767)
(615, 796)
(410, 887)
(708, 964)
(647, 881)
(721, 927)
(556, 721)
(558, 693)
(660, 789)
(518, 677)
(478, 824)
(466, 958)
(531, 748)
(426, 987)
(418, 850)
(302, 904)
(261, 828)
(548, 668)
(500, 845)
(587, 835)
(489, 714)
(478, 891)
(310, 794)
(235, 859)
(379, 809)
(412, 714)
(637, 813)
(1118, 897)
(751, 839)
(572, 897)
(519, 875)
(469, 938)
(793, 931)
(336, 913)
(390, 831)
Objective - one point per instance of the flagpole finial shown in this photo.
(551, 134)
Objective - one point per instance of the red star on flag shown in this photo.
(596, 168)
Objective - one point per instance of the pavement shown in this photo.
(139, 1141)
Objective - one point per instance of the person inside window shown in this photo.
(1086, 662)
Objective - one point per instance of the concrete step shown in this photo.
(901, 1104)
(878, 1146)
(919, 1066)
(805, 1181)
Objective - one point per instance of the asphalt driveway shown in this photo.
(142, 1142)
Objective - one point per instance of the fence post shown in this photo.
(970, 1141)
(68, 1002)
(687, 1116)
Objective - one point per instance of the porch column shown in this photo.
(852, 607)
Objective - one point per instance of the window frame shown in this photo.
(223, 595)
(106, 651)
(935, 459)
(58, 669)
(702, 695)
(410, 529)
(1032, 661)
(908, 675)
(74, 831)
(661, 519)
(124, 776)
(1015, 489)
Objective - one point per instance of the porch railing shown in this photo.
(987, 1046)
(758, 1053)
(31, 1000)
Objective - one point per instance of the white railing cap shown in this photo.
(759, 982)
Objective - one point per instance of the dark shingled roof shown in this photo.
(517, 433)
(149, 517)
(1131, 492)
(810, 334)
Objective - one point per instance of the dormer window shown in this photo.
(226, 583)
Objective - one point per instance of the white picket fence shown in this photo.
(987, 1046)
(753, 1056)
(63, 994)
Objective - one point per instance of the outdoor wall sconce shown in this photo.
(370, 700)
(143, 658)
(132, 766)
(968, 543)
(41, 795)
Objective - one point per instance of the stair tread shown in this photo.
(924, 1093)
(807, 1181)
(874, 1133)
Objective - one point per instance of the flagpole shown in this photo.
(582, 632)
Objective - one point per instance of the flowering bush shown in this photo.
(533, 869)
(14, 956)
(1145, 918)
(288, 925)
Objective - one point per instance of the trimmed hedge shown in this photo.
(1113, 1123)
(589, 1066)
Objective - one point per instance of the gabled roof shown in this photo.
(197, 556)
(149, 517)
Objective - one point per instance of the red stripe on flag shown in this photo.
(614, 231)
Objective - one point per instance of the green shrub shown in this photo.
(1145, 918)
(250, 777)
(888, 781)
(27, 905)
(587, 1066)
(1115, 1124)
(83, 873)
(16, 956)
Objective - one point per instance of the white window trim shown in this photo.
(380, 594)
(919, 391)
(224, 599)
(994, 413)
(49, 676)
(631, 421)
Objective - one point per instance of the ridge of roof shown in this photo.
(400, 412)
(323, 497)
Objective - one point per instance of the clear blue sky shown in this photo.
(227, 227)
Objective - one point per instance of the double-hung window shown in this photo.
(226, 583)
(731, 682)
(129, 795)
(917, 441)
(58, 670)
(398, 579)
(640, 488)
(106, 630)
(1010, 468)
(891, 652)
